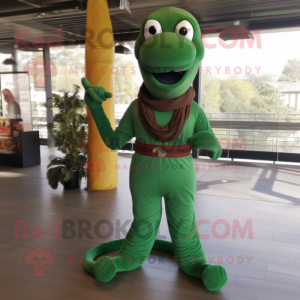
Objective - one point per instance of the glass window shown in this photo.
(67, 68)
(293, 100)
(286, 99)
(241, 82)
(33, 63)
(127, 81)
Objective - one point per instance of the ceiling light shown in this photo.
(9, 61)
(40, 15)
(120, 49)
(238, 31)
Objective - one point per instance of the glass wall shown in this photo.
(66, 69)
(256, 81)
(4, 68)
(68, 65)
(33, 63)
(247, 80)
(127, 81)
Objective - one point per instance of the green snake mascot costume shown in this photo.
(167, 124)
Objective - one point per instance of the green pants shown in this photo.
(173, 179)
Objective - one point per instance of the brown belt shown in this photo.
(161, 150)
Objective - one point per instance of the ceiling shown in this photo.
(70, 16)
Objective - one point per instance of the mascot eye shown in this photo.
(183, 31)
(186, 29)
(151, 28)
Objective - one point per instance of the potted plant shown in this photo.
(69, 132)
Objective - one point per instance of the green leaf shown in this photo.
(53, 176)
(81, 159)
(56, 161)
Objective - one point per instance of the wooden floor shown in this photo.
(270, 267)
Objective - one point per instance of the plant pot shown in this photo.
(74, 182)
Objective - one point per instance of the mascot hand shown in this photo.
(94, 95)
(203, 140)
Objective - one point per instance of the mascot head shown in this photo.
(169, 49)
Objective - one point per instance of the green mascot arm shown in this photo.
(204, 137)
(114, 139)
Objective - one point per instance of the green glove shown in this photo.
(114, 139)
(94, 95)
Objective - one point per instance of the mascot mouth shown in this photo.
(168, 78)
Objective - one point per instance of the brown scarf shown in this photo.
(181, 106)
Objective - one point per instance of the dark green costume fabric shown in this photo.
(154, 178)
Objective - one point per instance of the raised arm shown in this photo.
(114, 139)
(204, 137)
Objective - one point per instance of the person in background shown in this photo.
(12, 106)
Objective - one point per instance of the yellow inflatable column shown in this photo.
(99, 57)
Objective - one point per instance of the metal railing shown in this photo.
(257, 117)
(258, 131)
(259, 140)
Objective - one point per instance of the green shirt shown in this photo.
(130, 126)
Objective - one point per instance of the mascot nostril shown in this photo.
(167, 124)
